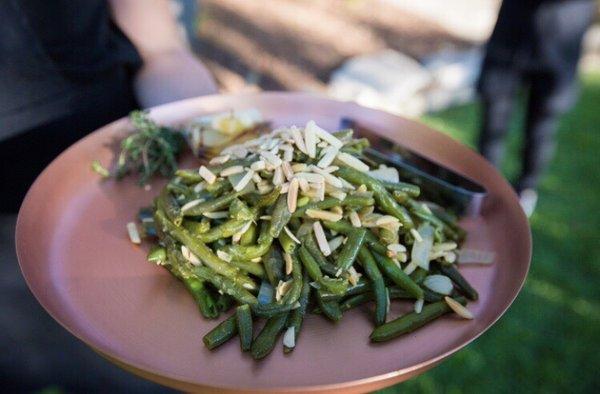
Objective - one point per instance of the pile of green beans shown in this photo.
(248, 253)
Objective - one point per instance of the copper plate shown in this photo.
(76, 257)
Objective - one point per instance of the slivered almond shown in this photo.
(191, 204)
(321, 239)
(385, 220)
(331, 169)
(256, 178)
(354, 219)
(303, 183)
(310, 141)
(324, 135)
(299, 167)
(299, 140)
(419, 305)
(396, 248)
(189, 256)
(337, 209)
(410, 268)
(288, 156)
(330, 179)
(352, 161)
(277, 176)
(292, 197)
(335, 243)
(232, 170)
(258, 165)
(223, 255)
(134, 234)
(244, 181)
(219, 159)
(340, 195)
(311, 177)
(291, 235)
(458, 308)
(287, 170)
(323, 215)
(207, 175)
(329, 156)
(271, 158)
(216, 214)
(289, 265)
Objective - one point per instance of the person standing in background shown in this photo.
(68, 67)
(536, 45)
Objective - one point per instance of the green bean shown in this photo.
(297, 315)
(157, 255)
(203, 298)
(212, 205)
(177, 189)
(311, 245)
(249, 237)
(384, 200)
(432, 296)
(362, 286)
(202, 251)
(238, 210)
(250, 267)
(226, 285)
(280, 216)
(225, 302)
(264, 343)
(273, 264)
(363, 298)
(381, 300)
(333, 286)
(395, 273)
(196, 228)
(170, 207)
(411, 321)
(463, 285)
(344, 227)
(287, 243)
(265, 200)
(330, 202)
(223, 230)
(293, 293)
(245, 162)
(388, 236)
(221, 333)
(219, 187)
(409, 189)
(241, 252)
(418, 275)
(350, 249)
(189, 177)
(243, 316)
(272, 309)
(330, 309)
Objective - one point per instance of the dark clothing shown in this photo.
(535, 45)
(65, 70)
(55, 55)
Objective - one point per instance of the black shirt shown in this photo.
(58, 57)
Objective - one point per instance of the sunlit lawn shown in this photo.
(548, 341)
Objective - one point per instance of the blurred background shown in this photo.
(419, 59)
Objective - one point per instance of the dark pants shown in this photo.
(548, 97)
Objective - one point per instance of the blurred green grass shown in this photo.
(548, 340)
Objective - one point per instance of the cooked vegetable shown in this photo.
(304, 214)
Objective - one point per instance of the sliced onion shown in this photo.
(421, 249)
(439, 283)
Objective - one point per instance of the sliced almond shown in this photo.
(321, 239)
(323, 215)
(207, 175)
(458, 308)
